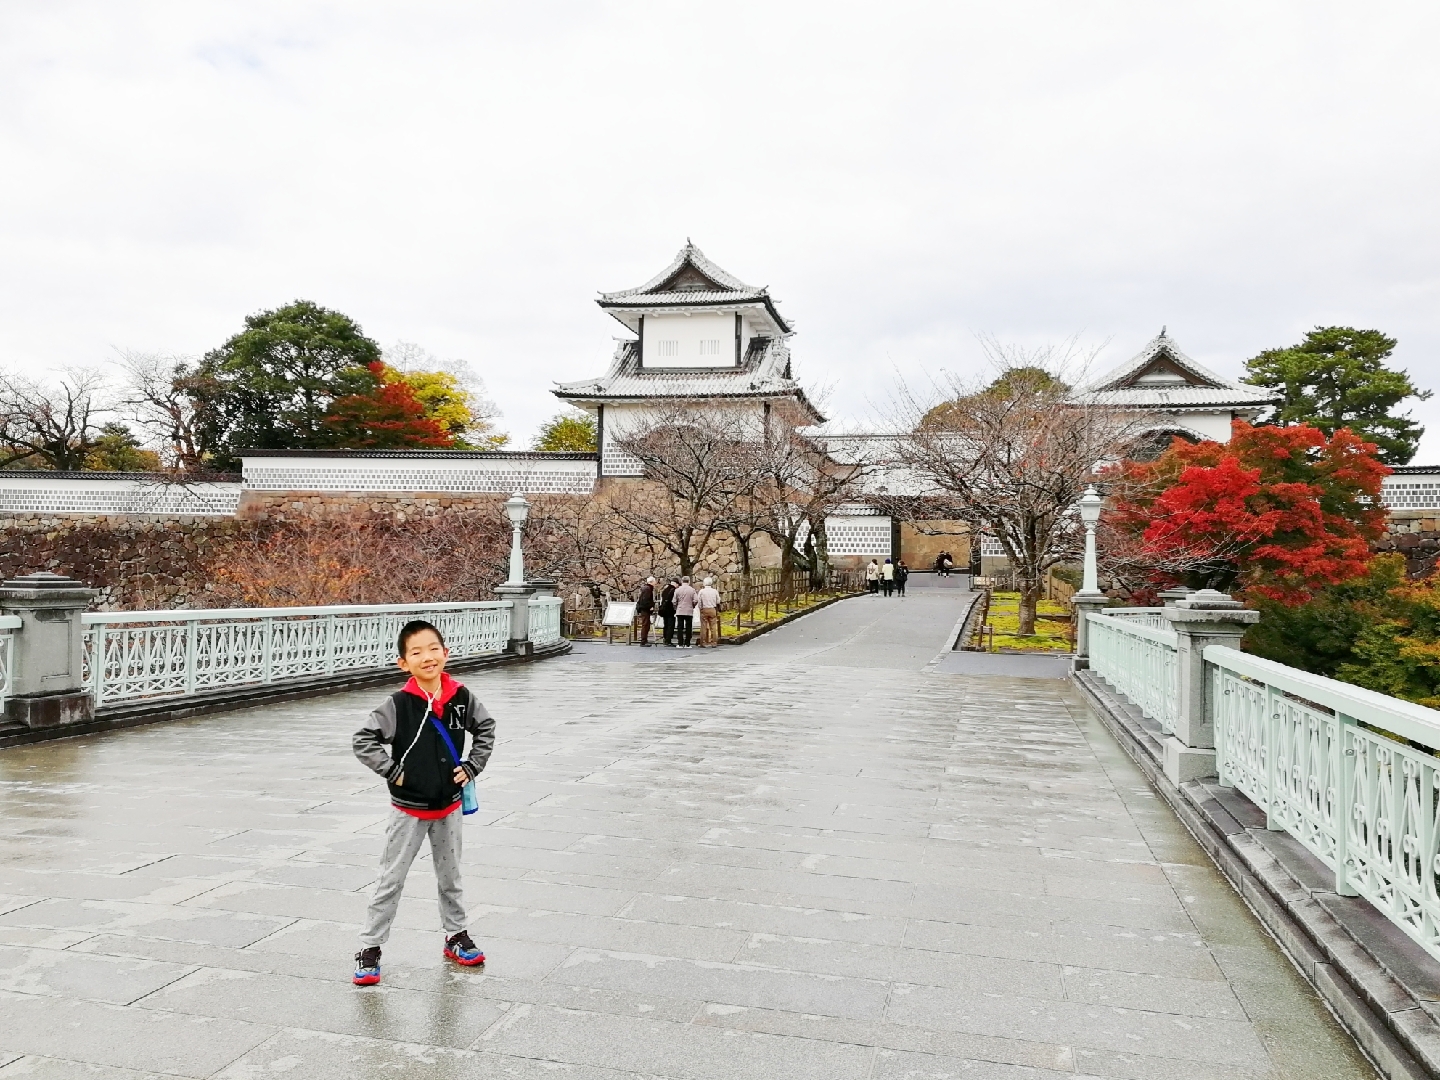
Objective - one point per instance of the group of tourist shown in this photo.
(888, 579)
(676, 605)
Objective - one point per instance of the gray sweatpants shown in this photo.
(403, 835)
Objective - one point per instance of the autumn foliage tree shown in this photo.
(1277, 512)
(382, 414)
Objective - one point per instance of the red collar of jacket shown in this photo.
(448, 689)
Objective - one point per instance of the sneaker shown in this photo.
(462, 950)
(367, 966)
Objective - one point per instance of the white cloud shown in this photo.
(904, 176)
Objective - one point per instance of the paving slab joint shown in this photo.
(1372, 1003)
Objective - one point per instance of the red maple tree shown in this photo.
(1275, 512)
(384, 416)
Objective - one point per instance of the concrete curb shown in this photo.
(1391, 1025)
(153, 712)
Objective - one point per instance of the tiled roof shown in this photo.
(696, 258)
(423, 455)
(681, 296)
(1180, 397)
(764, 373)
(1202, 388)
(704, 285)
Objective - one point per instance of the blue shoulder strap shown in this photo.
(443, 734)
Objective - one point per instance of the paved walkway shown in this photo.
(816, 855)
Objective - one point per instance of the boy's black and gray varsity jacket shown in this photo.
(399, 742)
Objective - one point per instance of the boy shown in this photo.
(402, 742)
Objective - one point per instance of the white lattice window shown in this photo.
(1411, 494)
(858, 536)
(618, 462)
(710, 347)
(667, 348)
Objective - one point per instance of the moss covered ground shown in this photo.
(1052, 625)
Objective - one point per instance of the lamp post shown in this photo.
(516, 589)
(517, 509)
(1089, 597)
(1090, 504)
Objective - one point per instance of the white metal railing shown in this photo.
(8, 625)
(1334, 766)
(545, 620)
(1152, 617)
(1139, 661)
(138, 655)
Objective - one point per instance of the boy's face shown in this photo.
(424, 656)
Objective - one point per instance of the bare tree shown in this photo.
(164, 396)
(1012, 458)
(700, 464)
(52, 425)
(805, 482)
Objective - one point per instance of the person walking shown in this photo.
(685, 599)
(667, 611)
(902, 575)
(709, 598)
(887, 577)
(413, 741)
(644, 609)
(872, 576)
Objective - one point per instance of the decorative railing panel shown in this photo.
(545, 620)
(1336, 766)
(1154, 618)
(8, 625)
(140, 655)
(1139, 661)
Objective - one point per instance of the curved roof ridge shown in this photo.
(1161, 342)
(695, 257)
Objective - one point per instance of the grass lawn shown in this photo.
(1052, 633)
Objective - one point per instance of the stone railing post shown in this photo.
(519, 595)
(1202, 618)
(47, 686)
(1085, 603)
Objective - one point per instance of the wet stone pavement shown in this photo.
(816, 855)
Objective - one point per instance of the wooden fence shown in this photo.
(745, 599)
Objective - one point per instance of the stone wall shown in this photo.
(288, 505)
(151, 562)
(1416, 535)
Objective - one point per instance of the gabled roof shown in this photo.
(1161, 376)
(705, 275)
(691, 280)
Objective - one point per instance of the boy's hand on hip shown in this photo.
(461, 776)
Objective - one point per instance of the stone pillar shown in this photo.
(1084, 603)
(543, 586)
(1203, 618)
(519, 616)
(45, 681)
(1171, 595)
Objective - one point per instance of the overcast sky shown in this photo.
(904, 177)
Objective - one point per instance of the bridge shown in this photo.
(831, 852)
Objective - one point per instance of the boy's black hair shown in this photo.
(417, 626)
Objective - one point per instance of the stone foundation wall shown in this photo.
(1416, 535)
(289, 505)
(151, 562)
